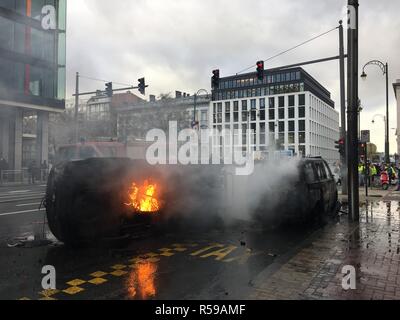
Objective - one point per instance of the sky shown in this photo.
(175, 45)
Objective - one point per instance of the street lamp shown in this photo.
(195, 104)
(385, 69)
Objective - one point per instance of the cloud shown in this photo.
(175, 44)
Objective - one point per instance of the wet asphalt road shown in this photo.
(179, 264)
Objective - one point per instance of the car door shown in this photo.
(323, 184)
(331, 186)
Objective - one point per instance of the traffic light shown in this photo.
(260, 70)
(215, 80)
(362, 151)
(340, 145)
(109, 89)
(142, 86)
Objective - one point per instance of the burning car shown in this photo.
(105, 197)
(97, 198)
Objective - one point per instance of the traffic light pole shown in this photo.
(94, 92)
(343, 155)
(352, 109)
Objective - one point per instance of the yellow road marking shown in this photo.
(221, 253)
(73, 290)
(151, 255)
(118, 273)
(212, 246)
(48, 299)
(49, 292)
(98, 274)
(76, 282)
(166, 252)
(97, 281)
(118, 267)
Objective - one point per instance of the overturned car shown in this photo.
(97, 198)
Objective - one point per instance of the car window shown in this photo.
(328, 171)
(321, 172)
(309, 173)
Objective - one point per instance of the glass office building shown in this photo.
(32, 76)
(32, 53)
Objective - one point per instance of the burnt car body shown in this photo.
(310, 194)
(89, 199)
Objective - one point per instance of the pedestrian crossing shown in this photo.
(33, 195)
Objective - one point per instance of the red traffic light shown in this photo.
(260, 70)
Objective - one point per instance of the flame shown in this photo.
(144, 198)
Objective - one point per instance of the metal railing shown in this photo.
(23, 176)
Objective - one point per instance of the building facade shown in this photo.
(135, 121)
(32, 76)
(288, 110)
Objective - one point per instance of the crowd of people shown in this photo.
(375, 174)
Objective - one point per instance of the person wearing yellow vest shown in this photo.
(372, 173)
(361, 171)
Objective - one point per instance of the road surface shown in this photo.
(182, 264)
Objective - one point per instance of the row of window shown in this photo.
(217, 106)
(251, 81)
(258, 92)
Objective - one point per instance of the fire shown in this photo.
(144, 198)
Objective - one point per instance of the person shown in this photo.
(44, 170)
(32, 172)
(372, 174)
(398, 178)
(361, 171)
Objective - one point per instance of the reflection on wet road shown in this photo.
(212, 264)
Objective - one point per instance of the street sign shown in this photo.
(365, 136)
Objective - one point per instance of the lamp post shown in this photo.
(385, 69)
(195, 104)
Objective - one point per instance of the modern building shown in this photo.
(32, 76)
(288, 110)
(135, 121)
(396, 87)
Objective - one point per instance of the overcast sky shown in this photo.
(176, 44)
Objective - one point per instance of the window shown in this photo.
(227, 107)
(321, 173)
(302, 125)
(302, 112)
(244, 105)
(271, 127)
(281, 126)
(281, 103)
(302, 99)
(271, 114)
(291, 101)
(253, 104)
(236, 106)
(272, 103)
(262, 103)
(302, 137)
(262, 115)
(262, 133)
(291, 113)
(281, 113)
(309, 173)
